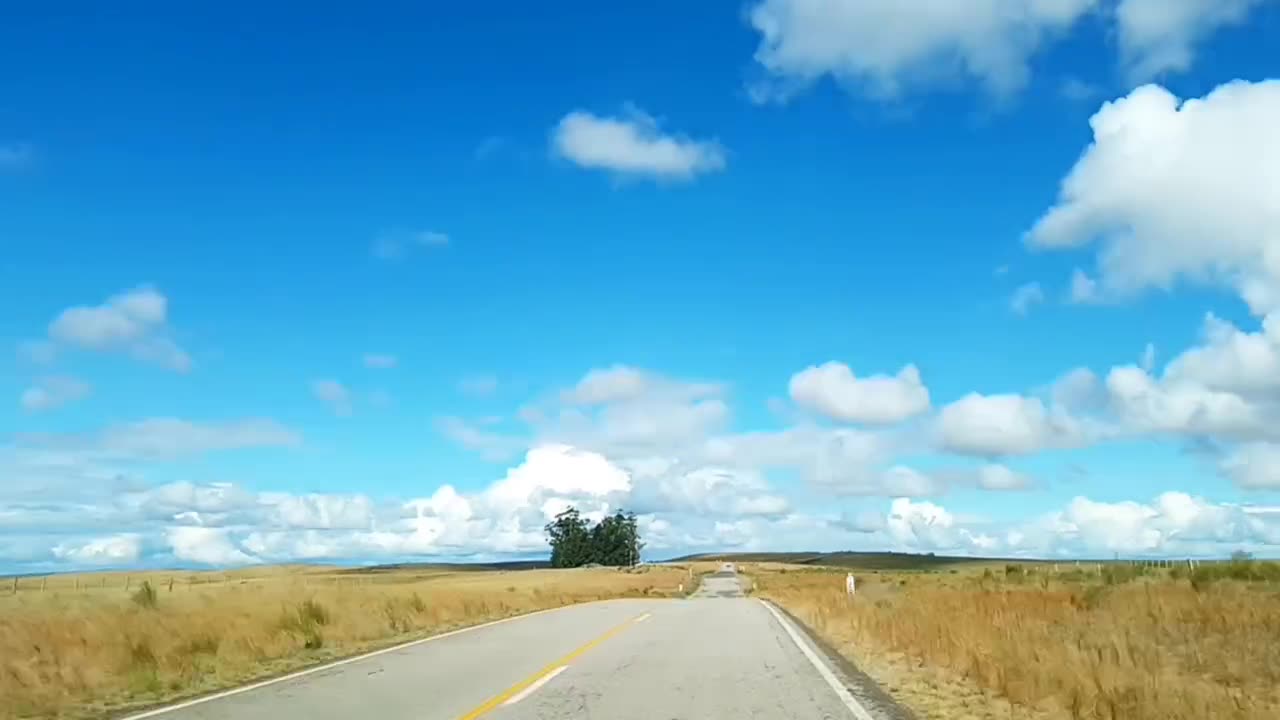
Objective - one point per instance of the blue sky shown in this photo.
(783, 274)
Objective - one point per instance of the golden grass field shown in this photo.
(85, 646)
(977, 643)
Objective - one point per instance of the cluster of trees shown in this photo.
(614, 540)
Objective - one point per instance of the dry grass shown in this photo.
(86, 652)
(959, 645)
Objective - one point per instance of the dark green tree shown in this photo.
(570, 540)
(615, 540)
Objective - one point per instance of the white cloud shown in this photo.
(1253, 466)
(334, 394)
(709, 491)
(1158, 36)
(627, 412)
(1231, 360)
(832, 390)
(1173, 524)
(379, 361)
(635, 418)
(206, 546)
(998, 425)
(133, 322)
(1083, 289)
(53, 392)
(612, 384)
(1025, 297)
(886, 46)
(633, 146)
(113, 550)
(1178, 190)
(1148, 406)
(902, 481)
(925, 526)
(320, 512)
(994, 476)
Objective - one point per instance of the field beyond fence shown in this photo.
(1114, 641)
(96, 645)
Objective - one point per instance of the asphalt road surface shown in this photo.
(715, 655)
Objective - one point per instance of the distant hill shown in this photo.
(457, 567)
(861, 560)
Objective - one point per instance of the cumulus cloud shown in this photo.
(925, 525)
(1174, 522)
(1253, 466)
(994, 476)
(113, 550)
(206, 546)
(53, 392)
(1232, 360)
(887, 46)
(666, 487)
(134, 322)
(903, 481)
(1147, 406)
(613, 384)
(832, 390)
(633, 146)
(334, 394)
(1158, 36)
(1000, 425)
(1174, 189)
(639, 418)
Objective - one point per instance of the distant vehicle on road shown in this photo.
(727, 568)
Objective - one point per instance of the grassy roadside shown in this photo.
(1002, 641)
(101, 650)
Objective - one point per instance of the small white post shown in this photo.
(849, 584)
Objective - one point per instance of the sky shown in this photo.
(400, 283)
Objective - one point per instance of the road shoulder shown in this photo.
(868, 693)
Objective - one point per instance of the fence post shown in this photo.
(15, 584)
(127, 581)
(43, 582)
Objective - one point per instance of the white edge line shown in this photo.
(643, 617)
(334, 664)
(534, 687)
(826, 673)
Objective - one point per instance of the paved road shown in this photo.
(715, 655)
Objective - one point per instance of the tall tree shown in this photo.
(615, 540)
(570, 539)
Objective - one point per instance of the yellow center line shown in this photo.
(519, 687)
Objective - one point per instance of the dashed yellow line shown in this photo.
(553, 668)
